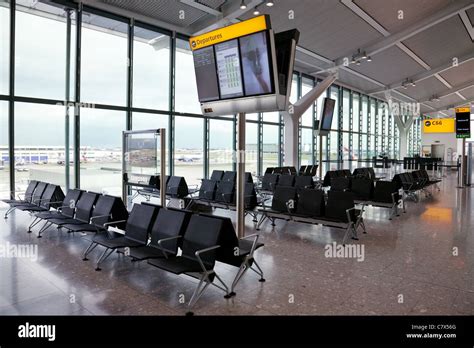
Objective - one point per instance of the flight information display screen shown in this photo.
(228, 69)
(206, 78)
(327, 114)
(256, 64)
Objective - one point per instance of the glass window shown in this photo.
(373, 117)
(186, 96)
(220, 145)
(306, 156)
(365, 115)
(346, 153)
(251, 117)
(251, 148)
(346, 110)
(364, 153)
(104, 60)
(355, 146)
(4, 46)
(188, 148)
(333, 150)
(372, 147)
(381, 119)
(4, 159)
(271, 150)
(307, 117)
(335, 96)
(151, 69)
(39, 144)
(40, 51)
(271, 117)
(152, 121)
(355, 112)
(101, 150)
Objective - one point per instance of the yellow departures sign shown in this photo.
(439, 125)
(463, 109)
(230, 32)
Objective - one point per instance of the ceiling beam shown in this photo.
(230, 12)
(452, 106)
(453, 9)
(429, 73)
(202, 7)
(467, 24)
(453, 90)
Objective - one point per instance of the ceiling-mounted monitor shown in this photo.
(237, 68)
(326, 116)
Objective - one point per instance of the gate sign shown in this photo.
(438, 125)
(463, 122)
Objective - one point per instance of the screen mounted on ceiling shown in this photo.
(228, 69)
(206, 77)
(256, 64)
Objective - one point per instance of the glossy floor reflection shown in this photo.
(420, 263)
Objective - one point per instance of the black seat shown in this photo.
(176, 187)
(167, 229)
(246, 246)
(217, 175)
(362, 188)
(283, 196)
(286, 180)
(292, 170)
(27, 198)
(207, 191)
(340, 183)
(338, 204)
(269, 182)
(229, 176)
(269, 170)
(310, 203)
(312, 170)
(383, 192)
(302, 170)
(66, 209)
(225, 192)
(199, 251)
(303, 182)
(248, 177)
(138, 226)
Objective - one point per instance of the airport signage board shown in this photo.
(463, 122)
(439, 125)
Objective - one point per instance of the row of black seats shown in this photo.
(271, 181)
(155, 234)
(224, 193)
(228, 176)
(39, 196)
(309, 170)
(309, 206)
(383, 194)
(366, 172)
(176, 187)
(413, 182)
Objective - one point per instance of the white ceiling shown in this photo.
(427, 37)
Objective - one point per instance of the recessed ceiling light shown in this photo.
(369, 59)
(256, 12)
(364, 55)
(243, 6)
(270, 3)
(413, 83)
(358, 63)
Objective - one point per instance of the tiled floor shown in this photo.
(420, 263)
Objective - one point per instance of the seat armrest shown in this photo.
(100, 216)
(254, 244)
(202, 251)
(163, 249)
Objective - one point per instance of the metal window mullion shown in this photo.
(11, 105)
(351, 115)
(77, 99)
(260, 144)
(172, 84)
(340, 119)
(206, 140)
(234, 142)
(281, 140)
(66, 99)
(131, 33)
